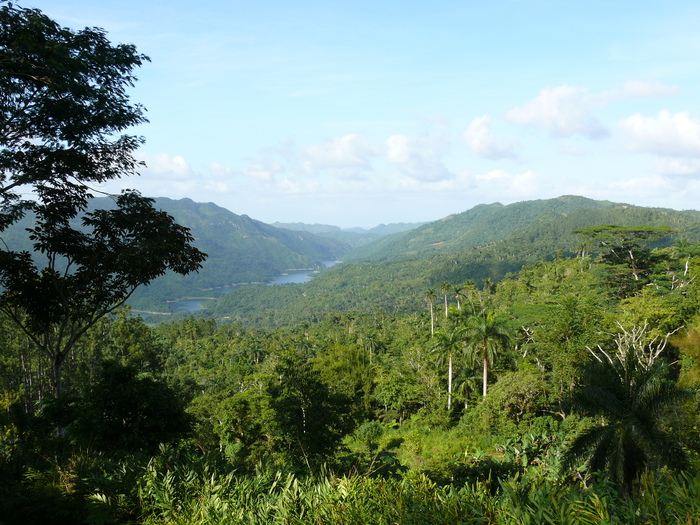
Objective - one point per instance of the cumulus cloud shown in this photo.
(563, 111)
(418, 158)
(480, 140)
(667, 134)
(347, 157)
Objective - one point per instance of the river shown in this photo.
(289, 277)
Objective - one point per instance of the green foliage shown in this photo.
(65, 104)
(627, 394)
(128, 411)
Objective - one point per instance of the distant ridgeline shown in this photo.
(490, 241)
(385, 269)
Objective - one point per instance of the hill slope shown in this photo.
(240, 250)
(480, 225)
(395, 281)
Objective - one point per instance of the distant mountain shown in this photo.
(488, 241)
(355, 237)
(240, 250)
(488, 223)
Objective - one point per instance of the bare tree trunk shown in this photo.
(449, 384)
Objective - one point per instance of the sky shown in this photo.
(359, 113)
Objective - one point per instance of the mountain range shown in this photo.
(386, 268)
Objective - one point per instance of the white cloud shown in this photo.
(347, 157)
(563, 111)
(480, 140)
(510, 185)
(651, 186)
(418, 158)
(673, 167)
(164, 166)
(639, 89)
(667, 134)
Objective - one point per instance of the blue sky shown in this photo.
(357, 113)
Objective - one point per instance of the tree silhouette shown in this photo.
(65, 106)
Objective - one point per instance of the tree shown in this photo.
(64, 102)
(627, 392)
(447, 342)
(486, 335)
(430, 297)
(624, 249)
(64, 105)
(89, 272)
(445, 289)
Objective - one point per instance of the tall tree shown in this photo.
(448, 341)
(430, 297)
(64, 105)
(486, 336)
(625, 250)
(445, 289)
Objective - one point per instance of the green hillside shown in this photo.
(355, 237)
(396, 281)
(240, 250)
(480, 225)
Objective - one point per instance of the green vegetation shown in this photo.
(590, 413)
(425, 388)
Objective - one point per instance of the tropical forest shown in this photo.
(531, 363)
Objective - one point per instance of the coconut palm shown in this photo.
(627, 398)
(486, 335)
(448, 342)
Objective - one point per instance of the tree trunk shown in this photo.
(449, 384)
(486, 373)
(56, 363)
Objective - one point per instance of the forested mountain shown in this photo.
(355, 237)
(240, 250)
(395, 275)
(489, 223)
(392, 272)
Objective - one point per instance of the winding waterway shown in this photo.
(289, 277)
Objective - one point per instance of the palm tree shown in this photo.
(458, 293)
(445, 289)
(627, 398)
(430, 297)
(467, 382)
(486, 335)
(447, 342)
